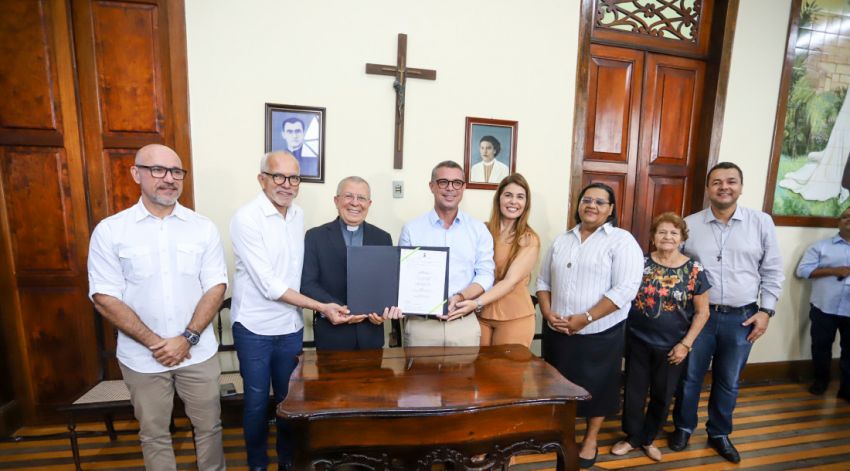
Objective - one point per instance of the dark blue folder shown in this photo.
(373, 272)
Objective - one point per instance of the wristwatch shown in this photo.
(589, 317)
(769, 312)
(192, 336)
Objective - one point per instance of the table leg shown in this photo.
(75, 446)
(568, 450)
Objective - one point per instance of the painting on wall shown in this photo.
(490, 151)
(809, 180)
(301, 131)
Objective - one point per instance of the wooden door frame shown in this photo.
(718, 61)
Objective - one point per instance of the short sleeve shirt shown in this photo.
(662, 311)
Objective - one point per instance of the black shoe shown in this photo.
(588, 463)
(724, 447)
(678, 440)
(818, 387)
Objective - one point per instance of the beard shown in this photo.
(165, 201)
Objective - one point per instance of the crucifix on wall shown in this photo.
(401, 73)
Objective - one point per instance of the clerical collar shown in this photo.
(352, 228)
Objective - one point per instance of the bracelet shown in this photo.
(478, 306)
(686, 346)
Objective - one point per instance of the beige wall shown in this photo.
(494, 59)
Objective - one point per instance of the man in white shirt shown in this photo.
(471, 266)
(157, 272)
(268, 326)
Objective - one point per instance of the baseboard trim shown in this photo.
(782, 371)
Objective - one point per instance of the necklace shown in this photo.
(719, 240)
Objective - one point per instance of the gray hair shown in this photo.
(264, 161)
(445, 164)
(353, 179)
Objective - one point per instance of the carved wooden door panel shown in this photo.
(129, 103)
(46, 316)
(641, 125)
(672, 99)
(613, 122)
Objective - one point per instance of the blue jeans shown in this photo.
(263, 358)
(723, 344)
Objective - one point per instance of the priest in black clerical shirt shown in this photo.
(325, 265)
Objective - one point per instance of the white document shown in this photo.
(422, 281)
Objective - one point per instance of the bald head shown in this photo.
(160, 192)
(158, 154)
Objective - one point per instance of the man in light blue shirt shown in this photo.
(827, 262)
(471, 266)
(740, 252)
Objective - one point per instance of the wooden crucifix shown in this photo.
(401, 73)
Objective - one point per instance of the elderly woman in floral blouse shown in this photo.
(666, 317)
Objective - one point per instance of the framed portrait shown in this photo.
(809, 174)
(490, 152)
(301, 131)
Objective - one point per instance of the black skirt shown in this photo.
(593, 362)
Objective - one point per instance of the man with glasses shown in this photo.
(268, 327)
(157, 272)
(739, 250)
(471, 266)
(324, 276)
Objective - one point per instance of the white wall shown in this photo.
(494, 59)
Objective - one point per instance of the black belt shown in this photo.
(732, 309)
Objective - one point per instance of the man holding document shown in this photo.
(471, 266)
(324, 274)
(268, 328)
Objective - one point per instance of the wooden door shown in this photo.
(672, 99)
(127, 104)
(640, 132)
(613, 122)
(47, 318)
(83, 85)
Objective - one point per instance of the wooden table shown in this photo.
(410, 408)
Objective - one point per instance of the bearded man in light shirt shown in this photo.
(157, 272)
(268, 325)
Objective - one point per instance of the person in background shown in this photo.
(827, 263)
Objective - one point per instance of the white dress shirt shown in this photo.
(269, 252)
(160, 268)
(470, 247)
(578, 274)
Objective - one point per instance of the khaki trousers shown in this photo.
(513, 331)
(152, 396)
(427, 332)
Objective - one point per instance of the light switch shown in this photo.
(398, 189)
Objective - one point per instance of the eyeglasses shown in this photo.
(280, 179)
(159, 172)
(599, 201)
(444, 183)
(348, 197)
